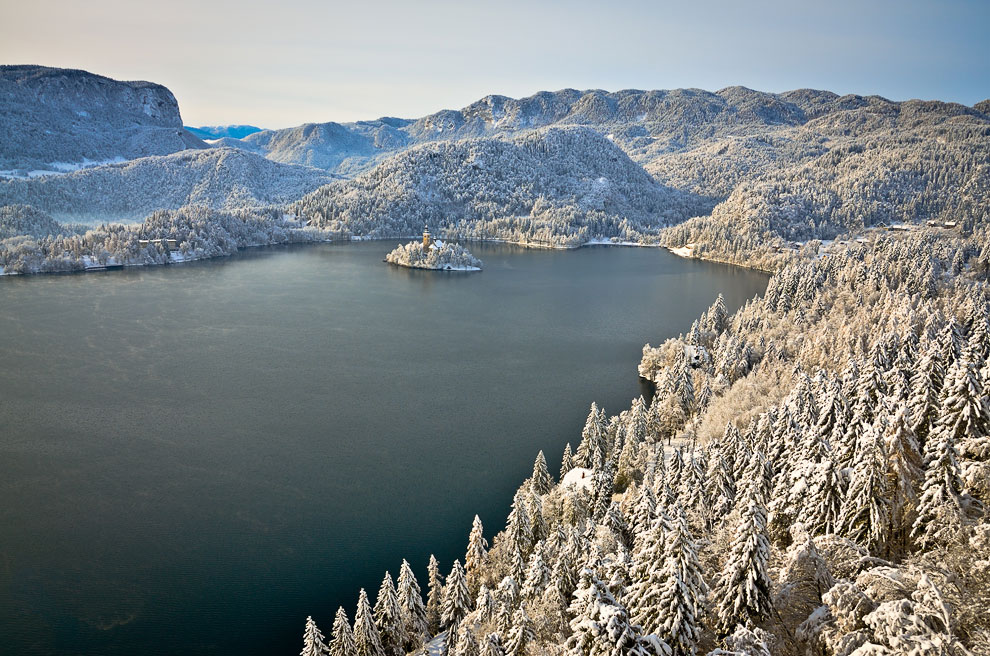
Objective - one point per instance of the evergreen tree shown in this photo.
(413, 612)
(941, 508)
(924, 401)
(388, 618)
(518, 525)
(680, 600)
(742, 593)
(866, 511)
(521, 634)
(567, 462)
(467, 644)
(601, 626)
(313, 641)
(456, 597)
(541, 481)
(476, 556)
(343, 638)
(434, 596)
(903, 473)
(493, 646)
(823, 508)
(537, 577)
(592, 446)
(367, 642)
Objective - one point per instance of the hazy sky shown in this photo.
(278, 64)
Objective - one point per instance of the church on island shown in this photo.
(433, 254)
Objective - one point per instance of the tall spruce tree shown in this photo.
(541, 482)
(313, 642)
(742, 593)
(414, 624)
(476, 556)
(456, 597)
(366, 639)
(342, 643)
(434, 596)
(388, 618)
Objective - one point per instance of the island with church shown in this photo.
(434, 254)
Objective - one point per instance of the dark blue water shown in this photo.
(194, 458)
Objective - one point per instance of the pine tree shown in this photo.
(823, 508)
(434, 596)
(680, 599)
(537, 577)
(366, 639)
(924, 401)
(742, 593)
(718, 316)
(343, 638)
(518, 526)
(541, 482)
(476, 556)
(601, 626)
(388, 618)
(313, 641)
(456, 597)
(866, 512)
(592, 446)
(941, 509)
(966, 417)
(903, 473)
(567, 462)
(521, 634)
(412, 611)
(467, 644)
(493, 646)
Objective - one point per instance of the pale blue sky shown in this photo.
(278, 64)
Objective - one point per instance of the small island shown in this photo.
(433, 254)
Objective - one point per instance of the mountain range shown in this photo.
(564, 167)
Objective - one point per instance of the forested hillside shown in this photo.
(218, 178)
(559, 186)
(811, 477)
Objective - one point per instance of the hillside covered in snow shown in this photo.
(558, 186)
(54, 118)
(217, 178)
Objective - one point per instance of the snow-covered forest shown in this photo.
(38, 244)
(811, 477)
(559, 186)
(439, 255)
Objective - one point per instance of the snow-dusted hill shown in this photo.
(218, 178)
(52, 116)
(558, 185)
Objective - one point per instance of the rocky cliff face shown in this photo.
(52, 116)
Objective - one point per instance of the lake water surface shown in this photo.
(195, 458)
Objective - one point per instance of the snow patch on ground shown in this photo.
(683, 251)
(579, 477)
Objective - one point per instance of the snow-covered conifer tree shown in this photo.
(414, 625)
(742, 593)
(388, 618)
(493, 646)
(601, 626)
(521, 634)
(680, 599)
(467, 644)
(541, 481)
(313, 642)
(456, 597)
(342, 643)
(476, 556)
(567, 461)
(865, 513)
(941, 508)
(434, 596)
(366, 639)
(592, 446)
(537, 577)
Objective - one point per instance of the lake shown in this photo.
(194, 458)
